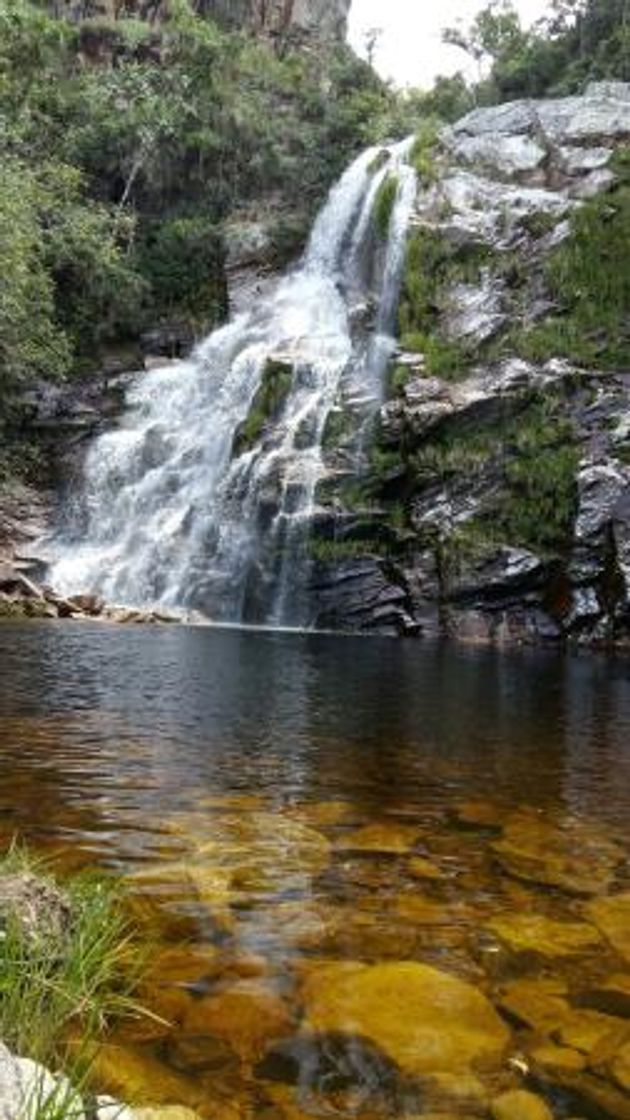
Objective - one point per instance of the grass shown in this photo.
(65, 974)
(588, 278)
(535, 458)
(433, 265)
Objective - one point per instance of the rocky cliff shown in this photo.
(497, 503)
(314, 20)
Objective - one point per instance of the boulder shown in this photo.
(28, 1091)
(425, 1020)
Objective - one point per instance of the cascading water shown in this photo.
(177, 509)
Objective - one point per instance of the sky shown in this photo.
(410, 49)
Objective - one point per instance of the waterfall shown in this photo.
(185, 504)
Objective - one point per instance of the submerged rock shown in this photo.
(534, 933)
(518, 1104)
(425, 1020)
(611, 915)
(574, 858)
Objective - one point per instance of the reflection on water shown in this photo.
(382, 878)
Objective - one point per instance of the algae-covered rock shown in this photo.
(424, 869)
(247, 1015)
(611, 995)
(518, 1104)
(552, 1059)
(535, 933)
(423, 1019)
(611, 915)
(538, 1002)
(587, 1030)
(573, 858)
(389, 837)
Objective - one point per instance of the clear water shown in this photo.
(229, 775)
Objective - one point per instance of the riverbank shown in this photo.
(69, 965)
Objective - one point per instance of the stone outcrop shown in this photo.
(312, 21)
(508, 180)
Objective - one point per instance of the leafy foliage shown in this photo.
(125, 147)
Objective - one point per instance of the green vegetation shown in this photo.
(269, 398)
(588, 277)
(331, 552)
(535, 457)
(339, 425)
(576, 42)
(433, 265)
(423, 156)
(67, 964)
(384, 205)
(126, 148)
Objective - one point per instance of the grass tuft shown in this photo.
(68, 966)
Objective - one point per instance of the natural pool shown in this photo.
(379, 878)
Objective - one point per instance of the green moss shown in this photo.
(338, 426)
(275, 385)
(384, 205)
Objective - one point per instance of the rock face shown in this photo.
(315, 21)
(474, 463)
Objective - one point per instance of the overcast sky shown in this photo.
(410, 49)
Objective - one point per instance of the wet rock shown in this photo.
(358, 594)
(611, 915)
(165, 1112)
(518, 1104)
(574, 858)
(248, 1016)
(540, 1003)
(620, 1067)
(557, 1059)
(535, 933)
(587, 1030)
(332, 1064)
(595, 1093)
(481, 814)
(131, 1074)
(87, 603)
(612, 995)
(425, 870)
(388, 837)
(423, 1019)
(173, 340)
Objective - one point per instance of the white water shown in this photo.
(169, 516)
